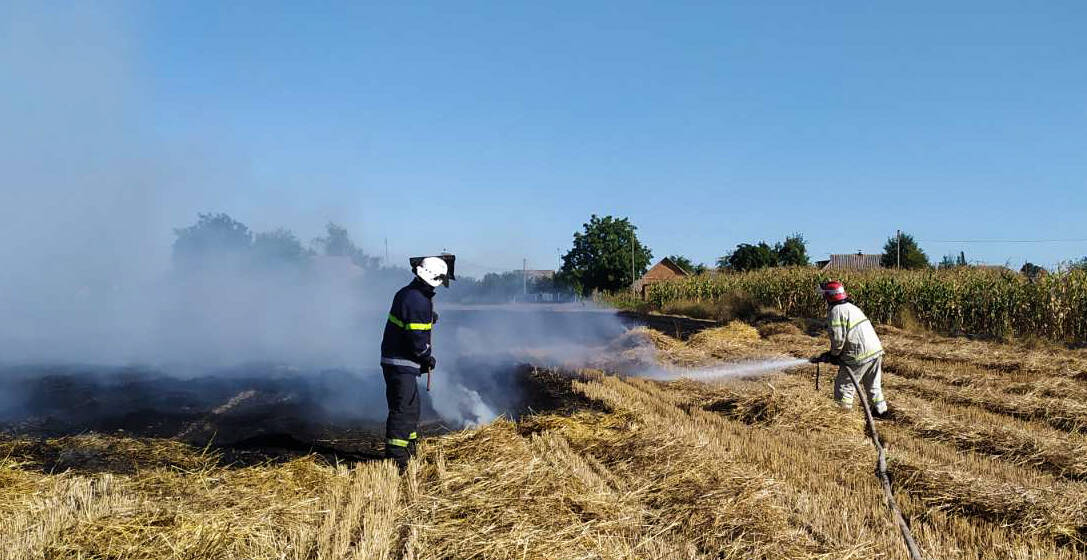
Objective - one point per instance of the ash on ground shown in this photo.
(246, 415)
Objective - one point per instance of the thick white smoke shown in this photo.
(90, 201)
(478, 349)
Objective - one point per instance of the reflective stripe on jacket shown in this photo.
(852, 335)
(407, 327)
(400, 362)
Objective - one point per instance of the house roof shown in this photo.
(671, 265)
(853, 261)
(663, 270)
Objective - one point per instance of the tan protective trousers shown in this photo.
(870, 376)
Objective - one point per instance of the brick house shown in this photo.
(663, 270)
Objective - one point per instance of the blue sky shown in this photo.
(494, 129)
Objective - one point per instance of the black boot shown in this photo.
(398, 454)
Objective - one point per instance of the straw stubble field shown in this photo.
(986, 451)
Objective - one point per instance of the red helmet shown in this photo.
(834, 291)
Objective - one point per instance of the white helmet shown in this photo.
(433, 271)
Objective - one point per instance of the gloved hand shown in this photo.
(428, 364)
(827, 358)
(435, 319)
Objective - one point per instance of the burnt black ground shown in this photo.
(259, 412)
(247, 415)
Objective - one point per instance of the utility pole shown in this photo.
(632, 260)
(898, 249)
(524, 277)
(386, 251)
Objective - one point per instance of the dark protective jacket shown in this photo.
(407, 329)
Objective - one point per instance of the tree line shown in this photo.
(216, 241)
(607, 256)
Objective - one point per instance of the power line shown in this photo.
(1083, 240)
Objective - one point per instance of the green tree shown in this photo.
(337, 243)
(957, 261)
(688, 265)
(912, 255)
(601, 256)
(280, 246)
(213, 238)
(749, 257)
(501, 287)
(1032, 271)
(793, 251)
(1080, 264)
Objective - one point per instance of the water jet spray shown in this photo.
(750, 368)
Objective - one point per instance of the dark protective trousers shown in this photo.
(402, 395)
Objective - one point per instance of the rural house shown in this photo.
(663, 270)
(534, 275)
(853, 261)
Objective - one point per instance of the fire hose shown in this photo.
(881, 464)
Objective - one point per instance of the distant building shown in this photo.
(663, 270)
(539, 274)
(853, 261)
(541, 288)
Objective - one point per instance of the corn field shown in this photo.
(990, 303)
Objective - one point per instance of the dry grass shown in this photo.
(1049, 512)
(985, 450)
(767, 330)
(1031, 358)
(645, 346)
(1018, 442)
(733, 341)
(94, 452)
(736, 340)
(300, 509)
(729, 307)
(1063, 414)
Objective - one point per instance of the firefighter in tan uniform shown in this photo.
(854, 348)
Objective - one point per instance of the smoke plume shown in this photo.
(95, 301)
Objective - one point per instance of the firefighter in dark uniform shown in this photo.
(406, 354)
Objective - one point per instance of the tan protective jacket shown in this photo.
(851, 335)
